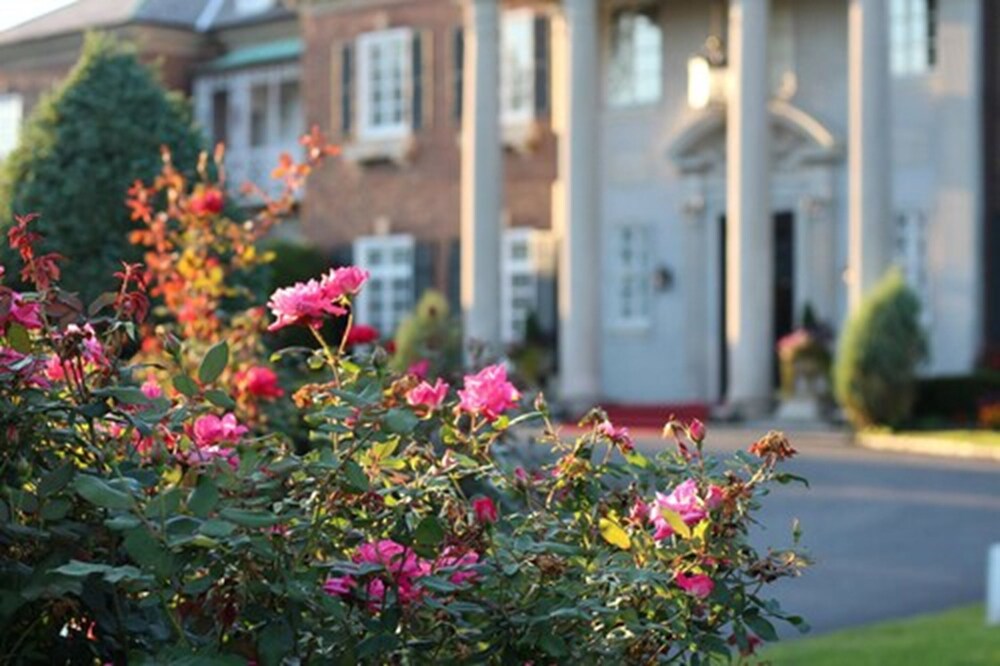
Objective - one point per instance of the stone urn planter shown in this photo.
(805, 385)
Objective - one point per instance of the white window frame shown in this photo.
(11, 115)
(912, 36)
(631, 97)
(383, 275)
(517, 78)
(520, 277)
(246, 161)
(366, 43)
(637, 275)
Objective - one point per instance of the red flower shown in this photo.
(486, 510)
(206, 202)
(260, 382)
(360, 334)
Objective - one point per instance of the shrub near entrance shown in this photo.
(151, 521)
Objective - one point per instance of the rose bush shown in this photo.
(150, 516)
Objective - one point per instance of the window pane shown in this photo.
(517, 66)
(258, 115)
(290, 110)
(635, 71)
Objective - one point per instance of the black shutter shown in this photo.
(417, 77)
(423, 268)
(542, 65)
(453, 285)
(458, 63)
(346, 88)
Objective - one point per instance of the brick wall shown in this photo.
(420, 197)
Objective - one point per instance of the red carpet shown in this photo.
(654, 416)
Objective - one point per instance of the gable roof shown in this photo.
(82, 15)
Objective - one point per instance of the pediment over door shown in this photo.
(797, 140)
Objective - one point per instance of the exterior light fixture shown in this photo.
(706, 75)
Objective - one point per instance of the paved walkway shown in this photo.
(892, 535)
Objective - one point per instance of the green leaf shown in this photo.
(97, 492)
(128, 395)
(376, 644)
(55, 480)
(614, 534)
(185, 385)
(383, 450)
(79, 569)
(355, 476)
(220, 398)
(204, 497)
(148, 552)
(761, 627)
(676, 522)
(214, 363)
(429, 532)
(636, 459)
(164, 505)
(400, 421)
(217, 528)
(553, 645)
(56, 509)
(247, 518)
(122, 522)
(18, 338)
(275, 643)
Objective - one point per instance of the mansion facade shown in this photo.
(667, 185)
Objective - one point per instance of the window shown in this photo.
(384, 85)
(913, 36)
(388, 294)
(527, 258)
(11, 106)
(220, 116)
(911, 255)
(517, 67)
(633, 282)
(289, 110)
(258, 114)
(635, 74)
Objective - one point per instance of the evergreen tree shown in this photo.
(82, 147)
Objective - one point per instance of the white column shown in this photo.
(482, 183)
(749, 228)
(575, 205)
(868, 157)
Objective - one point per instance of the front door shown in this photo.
(783, 285)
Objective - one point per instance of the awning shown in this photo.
(258, 54)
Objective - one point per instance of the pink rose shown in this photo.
(698, 585)
(488, 392)
(345, 281)
(619, 436)
(684, 501)
(419, 369)
(427, 395)
(696, 431)
(485, 510)
(151, 389)
(639, 512)
(306, 303)
(463, 563)
(339, 586)
(210, 430)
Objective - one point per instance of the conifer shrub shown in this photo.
(875, 372)
(82, 147)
